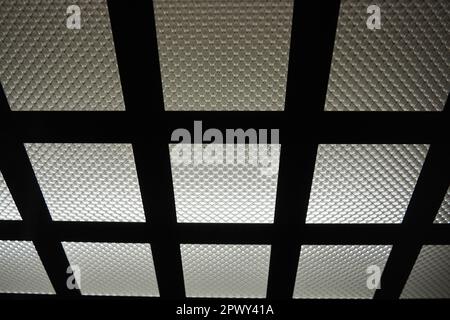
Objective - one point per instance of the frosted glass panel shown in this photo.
(368, 183)
(88, 182)
(122, 269)
(21, 269)
(235, 271)
(235, 187)
(338, 271)
(224, 55)
(46, 66)
(403, 66)
(430, 277)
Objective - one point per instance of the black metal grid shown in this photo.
(303, 125)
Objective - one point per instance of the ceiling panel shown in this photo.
(8, 209)
(46, 66)
(223, 55)
(430, 277)
(88, 182)
(443, 215)
(21, 270)
(403, 66)
(356, 183)
(338, 271)
(225, 184)
(232, 271)
(119, 269)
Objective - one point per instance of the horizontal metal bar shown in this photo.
(128, 127)
(231, 233)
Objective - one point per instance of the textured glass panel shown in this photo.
(443, 215)
(237, 184)
(223, 55)
(88, 182)
(8, 209)
(403, 66)
(122, 269)
(233, 271)
(338, 271)
(46, 66)
(21, 269)
(430, 277)
(364, 183)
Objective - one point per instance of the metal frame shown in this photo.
(148, 127)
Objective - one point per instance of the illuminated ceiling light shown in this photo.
(403, 66)
(233, 271)
(46, 66)
(338, 271)
(430, 277)
(240, 188)
(224, 55)
(21, 270)
(119, 269)
(88, 182)
(364, 183)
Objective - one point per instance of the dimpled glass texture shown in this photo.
(21, 269)
(230, 271)
(88, 182)
(117, 269)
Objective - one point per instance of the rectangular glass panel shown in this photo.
(430, 277)
(224, 55)
(225, 183)
(339, 271)
(88, 182)
(47, 66)
(402, 66)
(122, 269)
(21, 269)
(233, 271)
(364, 183)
